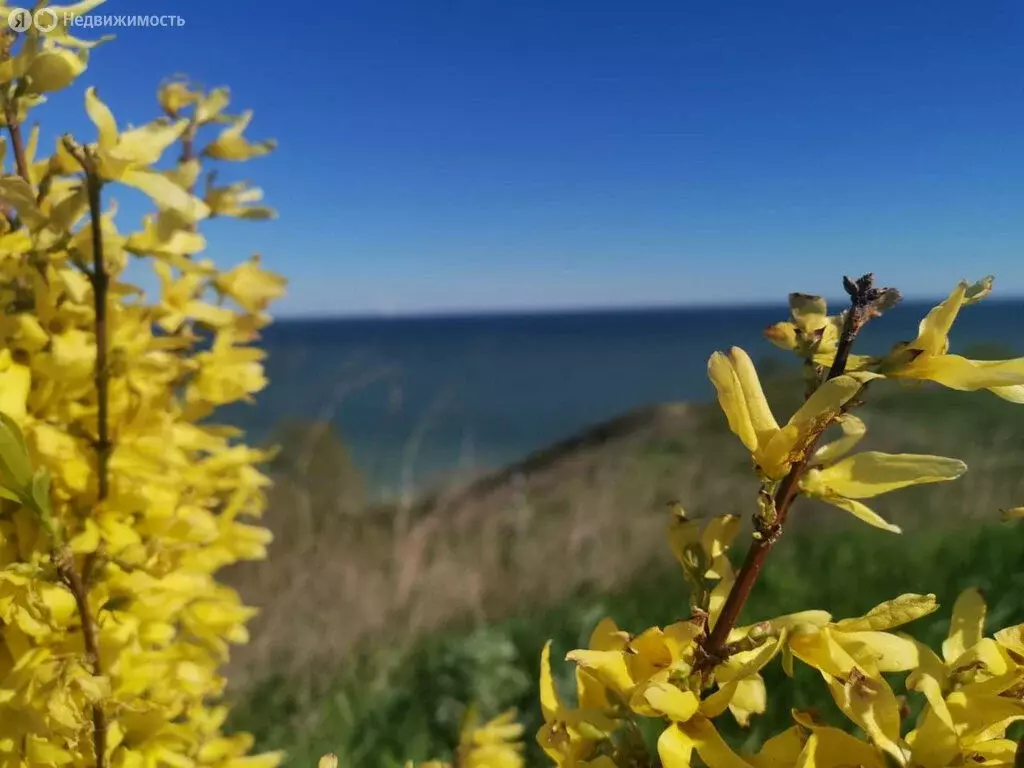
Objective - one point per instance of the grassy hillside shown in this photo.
(379, 625)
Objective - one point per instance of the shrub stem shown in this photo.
(865, 302)
(79, 583)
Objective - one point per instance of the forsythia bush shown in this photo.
(121, 500)
(691, 673)
(697, 670)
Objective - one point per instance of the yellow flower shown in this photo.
(495, 744)
(852, 655)
(232, 145)
(174, 96)
(811, 332)
(966, 688)
(774, 449)
(251, 286)
(842, 481)
(238, 200)
(702, 550)
(127, 157)
(926, 358)
(570, 736)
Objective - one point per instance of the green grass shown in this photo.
(381, 709)
(381, 713)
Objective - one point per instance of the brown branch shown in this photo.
(866, 302)
(100, 280)
(7, 41)
(66, 568)
(17, 143)
(101, 287)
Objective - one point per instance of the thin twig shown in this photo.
(17, 142)
(66, 569)
(79, 584)
(7, 41)
(866, 302)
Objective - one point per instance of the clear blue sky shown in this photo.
(529, 153)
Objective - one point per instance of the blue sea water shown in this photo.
(415, 398)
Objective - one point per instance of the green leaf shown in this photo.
(15, 468)
(40, 498)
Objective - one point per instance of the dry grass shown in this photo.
(343, 574)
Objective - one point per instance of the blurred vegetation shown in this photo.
(398, 693)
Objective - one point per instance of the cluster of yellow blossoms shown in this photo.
(121, 500)
(494, 744)
(687, 674)
(694, 671)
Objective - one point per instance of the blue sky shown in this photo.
(477, 154)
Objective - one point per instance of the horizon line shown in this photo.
(563, 310)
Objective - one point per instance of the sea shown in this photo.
(416, 399)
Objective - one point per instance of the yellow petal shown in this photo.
(819, 649)
(757, 405)
(607, 637)
(15, 384)
(967, 626)
(781, 750)
(871, 473)
(1012, 638)
(788, 445)
(983, 716)
(856, 508)
(146, 145)
(732, 400)
(211, 105)
(877, 652)
(607, 666)
(751, 699)
(18, 193)
(231, 145)
(175, 96)
(962, 374)
(549, 701)
(934, 742)
(675, 704)
(1014, 393)
(166, 194)
(853, 429)
(723, 568)
(328, 761)
(590, 694)
(55, 69)
(719, 533)
(793, 620)
(675, 748)
(713, 750)
(782, 335)
(809, 312)
(933, 331)
(892, 613)
(102, 118)
(647, 654)
(871, 704)
(832, 747)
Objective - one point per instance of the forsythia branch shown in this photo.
(100, 284)
(17, 142)
(863, 298)
(69, 574)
